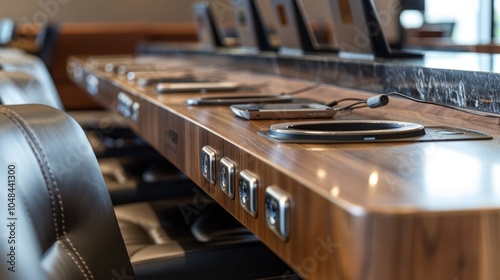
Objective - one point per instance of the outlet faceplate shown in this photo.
(135, 112)
(247, 187)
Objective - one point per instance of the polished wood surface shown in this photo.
(358, 211)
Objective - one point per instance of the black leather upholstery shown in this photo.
(67, 229)
(37, 87)
(179, 239)
(33, 66)
(66, 226)
(22, 88)
(46, 41)
(147, 178)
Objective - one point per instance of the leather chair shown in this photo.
(42, 90)
(32, 65)
(123, 150)
(66, 228)
(46, 41)
(62, 216)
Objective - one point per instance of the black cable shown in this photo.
(333, 103)
(352, 106)
(357, 107)
(363, 103)
(302, 90)
(443, 105)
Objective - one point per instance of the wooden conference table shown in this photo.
(397, 210)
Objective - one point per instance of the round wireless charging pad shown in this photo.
(364, 131)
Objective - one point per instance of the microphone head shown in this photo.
(377, 101)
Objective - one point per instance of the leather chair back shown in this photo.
(22, 88)
(63, 222)
(46, 41)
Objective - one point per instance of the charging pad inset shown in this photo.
(365, 131)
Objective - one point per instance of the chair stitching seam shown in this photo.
(59, 197)
(79, 256)
(46, 164)
(7, 112)
(75, 261)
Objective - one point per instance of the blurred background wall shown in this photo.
(96, 10)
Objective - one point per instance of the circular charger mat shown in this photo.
(366, 131)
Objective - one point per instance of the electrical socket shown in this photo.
(207, 161)
(277, 205)
(227, 170)
(247, 188)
